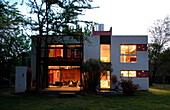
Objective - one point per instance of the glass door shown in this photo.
(105, 80)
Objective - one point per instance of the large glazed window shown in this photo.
(56, 51)
(128, 54)
(105, 52)
(67, 76)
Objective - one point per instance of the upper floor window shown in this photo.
(74, 51)
(128, 54)
(65, 51)
(56, 51)
(105, 52)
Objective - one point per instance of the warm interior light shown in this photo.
(132, 73)
(105, 80)
(128, 73)
(124, 73)
(105, 52)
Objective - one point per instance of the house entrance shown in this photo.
(63, 76)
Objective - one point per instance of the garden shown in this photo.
(158, 97)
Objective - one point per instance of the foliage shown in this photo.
(59, 17)
(92, 69)
(159, 32)
(160, 37)
(128, 87)
(56, 17)
(13, 38)
(163, 70)
(164, 62)
(114, 79)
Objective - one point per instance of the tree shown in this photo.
(13, 39)
(92, 71)
(160, 37)
(164, 62)
(58, 18)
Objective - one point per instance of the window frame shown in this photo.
(128, 74)
(133, 55)
(75, 48)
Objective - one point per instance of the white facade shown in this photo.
(92, 50)
(20, 79)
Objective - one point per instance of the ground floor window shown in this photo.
(68, 76)
(128, 73)
(105, 80)
(134, 73)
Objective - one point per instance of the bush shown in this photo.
(114, 79)
(128, 87)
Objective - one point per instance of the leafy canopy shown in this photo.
(58, 17)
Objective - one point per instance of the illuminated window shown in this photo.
(128, 54)
(105, 80)
(56, 51)
(105, 52)
(63, 75)
(132, 73)
(124, 73)
(128, 73)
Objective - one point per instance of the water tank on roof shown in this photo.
(101, 27)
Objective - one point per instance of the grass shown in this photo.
(157, 98)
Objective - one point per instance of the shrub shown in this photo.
(128, 87)
(114, 79)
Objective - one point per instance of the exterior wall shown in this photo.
(92, 50)
(20, 79)
(142, 58)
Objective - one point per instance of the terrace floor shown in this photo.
(62, 89)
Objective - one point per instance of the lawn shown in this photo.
(157, 98)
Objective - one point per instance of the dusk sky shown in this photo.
(126, 17)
